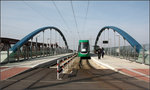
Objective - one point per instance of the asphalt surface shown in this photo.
(83, 77)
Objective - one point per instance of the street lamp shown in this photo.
(119, 44)
(36, 44)
(109, 44)
(47, 45)
(47, 40)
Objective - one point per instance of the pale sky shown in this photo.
(19, 18)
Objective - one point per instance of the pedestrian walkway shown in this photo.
(12, 69)
(137, 70)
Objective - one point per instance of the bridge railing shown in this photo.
(26, 53)
(129, 53)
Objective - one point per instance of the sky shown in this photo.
(19, 18)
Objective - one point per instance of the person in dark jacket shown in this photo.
(103, 52)
(99, 51)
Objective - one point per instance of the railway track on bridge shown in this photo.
(83, 74)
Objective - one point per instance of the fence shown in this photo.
(129, 53)
(62, 63)
(26, 53)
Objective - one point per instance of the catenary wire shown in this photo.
(75, 19)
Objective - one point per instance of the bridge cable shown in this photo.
(75, 19)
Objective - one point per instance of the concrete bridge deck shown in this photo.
(137, 70)
(12, 69)
(90, 76)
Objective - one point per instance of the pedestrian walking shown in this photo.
(103, 52)
(99, 51)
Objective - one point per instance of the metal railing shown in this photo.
(129, 53)
(62, 63)
(26, 53)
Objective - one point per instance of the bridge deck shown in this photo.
(12, 69)
(84, 77)
(140, 71)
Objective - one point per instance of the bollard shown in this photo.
(58, 67)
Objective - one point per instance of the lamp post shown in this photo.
(31, 47)
(43, 43)
(119, 44)
(109, 43)
(114, 43)
(47, 45)
(36, 44)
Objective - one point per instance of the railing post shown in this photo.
(24, 52)
(40, 51)
(135, 52)
(31, 47)
(129, 53)
(18, 54)
(36, 47)
(126, 53)
(27, 52)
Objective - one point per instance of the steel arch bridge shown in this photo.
(32, 34)
(125, 35)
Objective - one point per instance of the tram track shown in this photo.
(104, 75)
(88, 76)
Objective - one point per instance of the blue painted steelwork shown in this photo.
(125, 35)
(32, 34)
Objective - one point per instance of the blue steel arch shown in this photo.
(125, 35)
(32, 34)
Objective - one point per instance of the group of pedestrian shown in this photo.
(100, 52)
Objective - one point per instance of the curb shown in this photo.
(103, 64)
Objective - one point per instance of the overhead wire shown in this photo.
(61, 16)
(86, 13)
(46, 18)
(75, 19)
